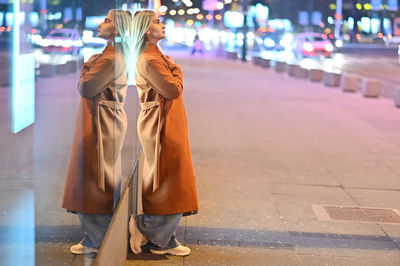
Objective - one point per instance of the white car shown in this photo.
(392, 40)
(312, 44)
(62, 41)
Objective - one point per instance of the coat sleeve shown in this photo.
(95, 80)
(167, 82)
(86, 66)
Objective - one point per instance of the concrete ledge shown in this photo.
(291, 69)
(62, 69)
(46, 70)
(232, 55)
(371, 88)
(301, 73)
(265, 63)
(256, 60)
(5, 76)
(331, 79)
(280, 66)
(350, 83)
(396, 98)
(72, 65)
(315, 75)
(387, 91)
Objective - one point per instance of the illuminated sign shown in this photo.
(233, 19)
(210, 5)
(392, 5)
(376, 4)
(23, 80)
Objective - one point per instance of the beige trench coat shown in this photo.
(93, 178)
(168, 180)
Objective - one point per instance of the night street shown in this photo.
(268, 149)
(200, 132)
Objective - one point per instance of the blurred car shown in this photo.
(62, 41)
(312, 44)
(276, 40)
(272, 40)
(90, 39)
(389, 40)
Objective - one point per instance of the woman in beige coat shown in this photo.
(169, 189)
(93, 179)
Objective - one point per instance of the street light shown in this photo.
(245, 29)
(338, 20)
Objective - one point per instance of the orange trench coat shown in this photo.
(168, 181)
(93, 178)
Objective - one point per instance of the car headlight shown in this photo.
(66, 43)
(269, 42)
(339, 43)
(308, 47)
(45, 42)
(329, 47)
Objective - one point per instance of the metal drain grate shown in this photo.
(357, 214)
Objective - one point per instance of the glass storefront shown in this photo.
(43, 45)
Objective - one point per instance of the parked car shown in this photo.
(312, 44)
(392, 40)
(62, 41)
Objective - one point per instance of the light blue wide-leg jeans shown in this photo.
(159, 229)
(95, 227)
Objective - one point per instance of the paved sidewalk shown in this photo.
(266, 148)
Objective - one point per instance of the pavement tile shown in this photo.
(265, 147)
(384, 198)
(220, 255)
(351, 257)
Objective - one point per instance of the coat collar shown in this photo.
(110, 49)
(152, 48)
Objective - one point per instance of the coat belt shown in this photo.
(157, 149)
(101, 182)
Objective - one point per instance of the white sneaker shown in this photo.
(80, 249)
(178, 251)
(137, 239)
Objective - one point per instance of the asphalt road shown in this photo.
(376, 63)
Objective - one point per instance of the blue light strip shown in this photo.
(15, 63)
(22, 93)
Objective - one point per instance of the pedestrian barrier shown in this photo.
(46, 70)
(72, 65)
(349, 83)
(280, 66)
(5, 69)
(301, 73)
(371, 88)
(256, 60)
(265, 63)
(232, 55)
(316, 75)
(62, 69)
(331, 79)
(5, 76)
(396, 97)
(291, 69)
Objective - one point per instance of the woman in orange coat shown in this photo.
(93, 179)
(169, 189)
